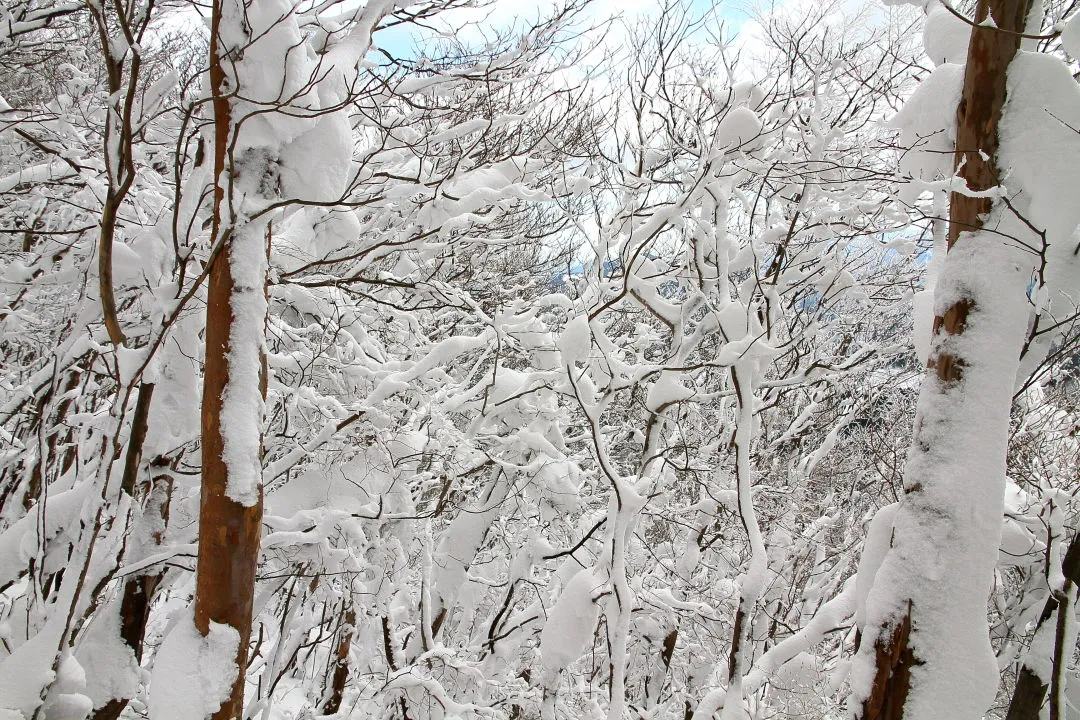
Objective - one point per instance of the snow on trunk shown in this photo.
(193, 675)
(242, 404)
(927, 632)
(947, 530)
(281, 135)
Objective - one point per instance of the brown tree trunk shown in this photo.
(341, 666)
(139, 589)
(977, 117)
(990, 52)
(119, 162)
(228, 530)
(1030, 691)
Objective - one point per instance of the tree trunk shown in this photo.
(139, 588)
(949, 507)
(229, 530)
(1030, 691)
(341, 666)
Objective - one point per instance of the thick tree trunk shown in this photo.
(977, 118)
(978, 115)
(229, 530)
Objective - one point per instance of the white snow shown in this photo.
(945, 36)
(1038, 150)
(242, 405)
(193, 675)
(927, 125)
(828, 618)
(114, 670)
(1039, 144)
(35, 174)
(575, 341)
(570, 625)
(1070, 37)
(946, 535)
(19, 542)
(666, 391)
(922, 323)
(739, 127)
(875, 547)
(66, 699)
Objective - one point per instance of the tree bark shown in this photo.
(229, 531)
(341, 666)
(1030, 691)
(977, 118)
(978, 115)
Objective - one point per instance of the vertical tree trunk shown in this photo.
(228, 529)
(955, 510)
(139, 588)
(1030, 691)
(341, 665)
(977, 118)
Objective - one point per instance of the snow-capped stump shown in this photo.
(568, 632)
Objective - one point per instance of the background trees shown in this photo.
(564, 375)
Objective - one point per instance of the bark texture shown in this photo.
(228, 531)
(341, 664)
(978, 116)
(1030, 691)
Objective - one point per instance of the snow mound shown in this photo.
(193, 675)
(568, 631)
